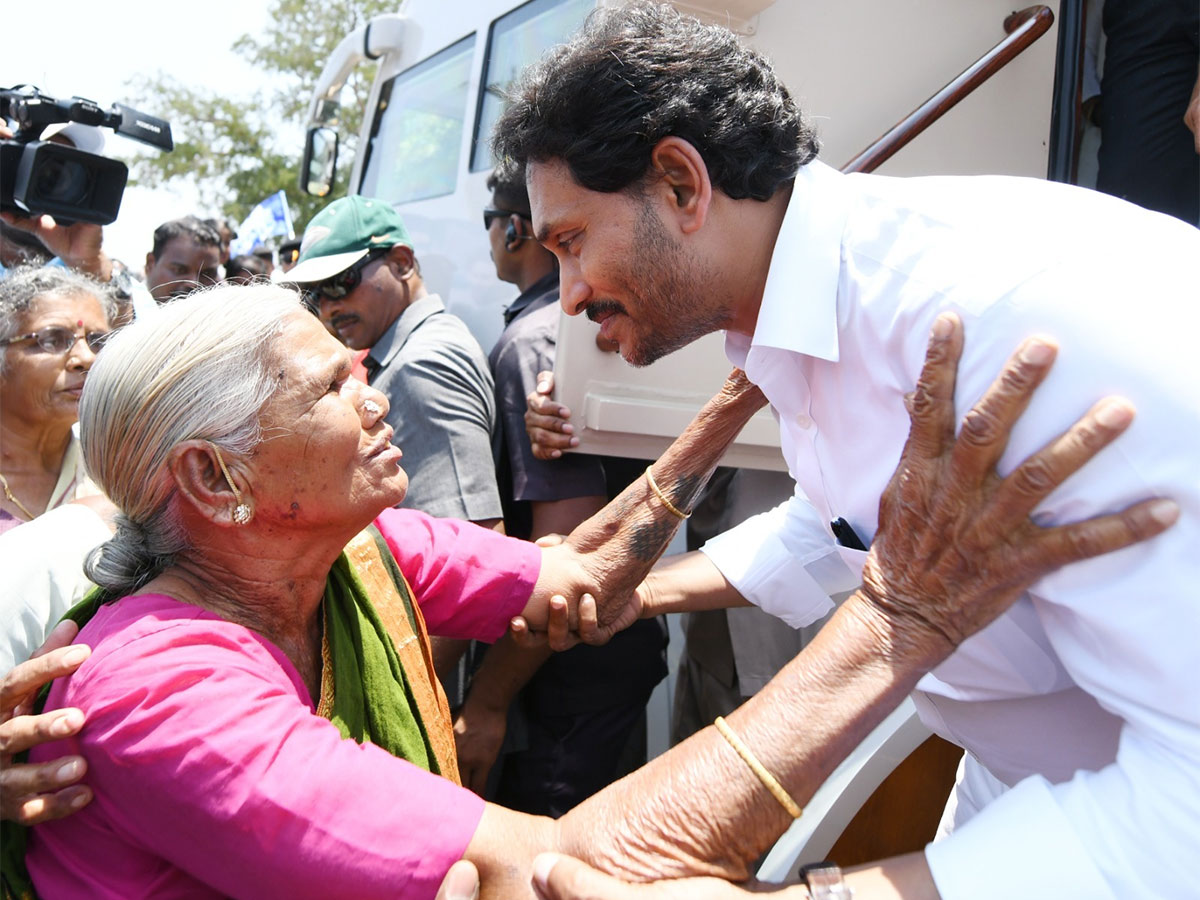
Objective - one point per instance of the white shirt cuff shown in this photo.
(793, 586)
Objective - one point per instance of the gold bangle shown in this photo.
(671, 507)
(768, 780)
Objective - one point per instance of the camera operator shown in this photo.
(78, 246)
(62, 195)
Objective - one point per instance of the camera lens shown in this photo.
(63, 181)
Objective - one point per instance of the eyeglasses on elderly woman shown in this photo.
(57, 339)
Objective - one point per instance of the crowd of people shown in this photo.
(342, 615)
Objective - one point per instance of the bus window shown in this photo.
(417, 134)
(514, 41)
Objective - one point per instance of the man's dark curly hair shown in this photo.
(637, 74)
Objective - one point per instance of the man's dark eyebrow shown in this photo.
(543, 234)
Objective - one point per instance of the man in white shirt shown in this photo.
(689, 199)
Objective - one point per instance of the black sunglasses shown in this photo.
(57, 339)
(491, 213)
(343, 283)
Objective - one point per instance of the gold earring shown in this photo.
(242, 513)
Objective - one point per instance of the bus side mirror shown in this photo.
(320, 161)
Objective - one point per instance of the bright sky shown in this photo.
(104, 49)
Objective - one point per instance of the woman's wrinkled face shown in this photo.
(326, 460)
(41, 388)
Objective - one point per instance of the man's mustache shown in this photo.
(598, 309)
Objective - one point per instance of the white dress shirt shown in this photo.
(1084, 699)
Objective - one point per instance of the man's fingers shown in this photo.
(548, 423)
(557, 877)
(461, 882)
(60, 636)
(589, 623)
(1032, 481)
(44, 807)
(41, 778)
(30, 675)
(1104, 534)
(931, 404)
(558, 626)
(525, 637)
(21, 733)
(986, 427)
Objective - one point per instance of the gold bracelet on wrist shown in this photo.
(671, 507)
(767, 779)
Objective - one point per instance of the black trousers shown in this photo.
(1147, 154)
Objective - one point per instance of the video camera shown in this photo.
(70, 184)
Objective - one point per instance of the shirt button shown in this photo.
(803, 420)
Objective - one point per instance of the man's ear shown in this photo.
(403, 259)
(150, 260)
(681, 171)
(202, 484)
(514, 233)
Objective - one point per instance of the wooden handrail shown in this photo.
(1022, 29)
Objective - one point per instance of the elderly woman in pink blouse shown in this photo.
(262, 718)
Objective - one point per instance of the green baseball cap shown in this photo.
(343, 233)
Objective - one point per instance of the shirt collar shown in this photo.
(389, 344)
(799, 305)
(538, 289)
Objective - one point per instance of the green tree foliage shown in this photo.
(238, 150)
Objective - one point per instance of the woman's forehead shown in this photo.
(71, 307)
(305, 351)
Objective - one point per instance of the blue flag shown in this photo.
(270, 218)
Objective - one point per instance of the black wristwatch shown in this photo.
(824, 882)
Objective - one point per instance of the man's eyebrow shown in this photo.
(543, 234)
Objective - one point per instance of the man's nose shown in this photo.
(573, 290)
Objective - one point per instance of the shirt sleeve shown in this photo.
(469, 580)
(784, 562)
(202, 753)
(444, 425)
(527, 351)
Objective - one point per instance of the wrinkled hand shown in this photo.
(956, 545)
(546, 421)
(33, 793)
(557, 877)
(78, 245)
(478, 735)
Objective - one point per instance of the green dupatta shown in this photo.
(377, 680)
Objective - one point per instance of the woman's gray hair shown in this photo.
(198, 370)
(24, 286)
